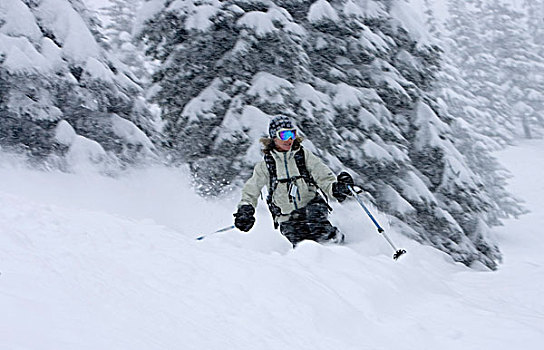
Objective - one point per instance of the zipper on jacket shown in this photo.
(289, 180)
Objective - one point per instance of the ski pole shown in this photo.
(381, 231)
(218, 231)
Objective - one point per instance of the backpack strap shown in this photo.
(300, 161)
(273, 174)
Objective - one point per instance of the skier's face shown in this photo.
(283, 146)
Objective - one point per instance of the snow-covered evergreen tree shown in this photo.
(534, 10)
(473, 138)
(535, 85)
(62, 93)
(356, 79)
(474, 64)
(456, 100)
(519, 62)
(120, 17)
(498, 60)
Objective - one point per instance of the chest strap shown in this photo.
(300, 162)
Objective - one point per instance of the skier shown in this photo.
(299, 185)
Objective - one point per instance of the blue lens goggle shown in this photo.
(286, 134)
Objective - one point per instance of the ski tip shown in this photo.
(398, 254)
(200, 238)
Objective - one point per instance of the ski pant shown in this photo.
(309, 223)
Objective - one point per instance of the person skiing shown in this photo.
(299, 185)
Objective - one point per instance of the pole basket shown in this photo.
(398, 253)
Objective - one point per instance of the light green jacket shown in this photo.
(286, 167)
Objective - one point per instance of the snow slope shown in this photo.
(89, 262)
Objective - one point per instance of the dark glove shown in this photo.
(244, 218)
(340, 188)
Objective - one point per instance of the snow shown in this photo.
(347, 96)
(430, 128)
(367, 119)
(200, 19)
(369, 8)
(322, 10)
(398, 204)
(351, 9)
(458, 171)
(84, 153)
(90, 262)
(373, 150)
(96, 5)
(21, 55)
(264, 87)
(311, 97)
(202, 107)
(413, 188)
(52, 53)
(147, 11)
(260, 22)
(263, 23)
(28, 50)
(96, 70)
(18, 20)
(252, 119)
(295, 29)
(372, 41)
(69, 29)
(129, 132)
(413, 21)
(65, 133)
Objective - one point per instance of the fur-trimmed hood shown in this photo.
(269, 145)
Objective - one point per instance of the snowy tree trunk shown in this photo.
(526, 122)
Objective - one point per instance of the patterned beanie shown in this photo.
(278, 123)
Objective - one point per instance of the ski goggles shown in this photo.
(286, 134)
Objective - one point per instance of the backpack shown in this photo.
(300, 161)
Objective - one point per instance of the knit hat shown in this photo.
(277, 123)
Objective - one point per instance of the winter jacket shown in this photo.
(286, 168)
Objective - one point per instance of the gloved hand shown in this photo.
(340, 188)
(244, 218)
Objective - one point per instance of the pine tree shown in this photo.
(517, 60)
(497, 59)
(534, 10)
(357, 86)
(120, 16)
(206, 78)
(57, 76)
(118, 32)
(534, 94)
(456, 100)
